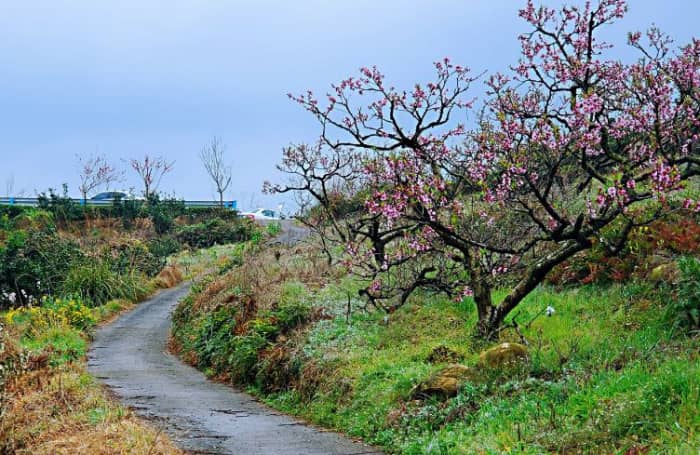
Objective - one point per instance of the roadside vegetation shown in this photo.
(527, 285)
(611, 362)
(65, 269)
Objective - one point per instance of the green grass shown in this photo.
(608, 371)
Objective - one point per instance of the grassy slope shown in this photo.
(54, 406)
(624, 380)
(608, 373)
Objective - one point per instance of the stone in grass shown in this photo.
(444, 383)
(503, 355)
(665, 273)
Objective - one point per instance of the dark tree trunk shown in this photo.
(486, 328)
(484, 303)
(491, 317)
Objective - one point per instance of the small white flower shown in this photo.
(549, 311)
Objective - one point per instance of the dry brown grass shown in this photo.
(263, 274)
(98, 232)
(168, 277)
(65, 411)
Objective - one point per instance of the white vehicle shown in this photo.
(262, 215)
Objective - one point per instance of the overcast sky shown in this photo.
(131, 77)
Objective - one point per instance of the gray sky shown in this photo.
(130, 77)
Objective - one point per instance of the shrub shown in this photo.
(215, 231)
(127, 210)
(688, 304)
(163, 212)
(168, 277)
(194, 215)
(96, 281)
(73, 310)
(61, 206)
(273, 229)
(214, 334)
(243, 356)
(53, 312)
(93, 280)
(163, 247)
(34, 262)
(291, 315)
(135, 256)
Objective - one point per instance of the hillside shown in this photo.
(612, 362)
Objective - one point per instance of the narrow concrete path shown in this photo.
(129, 356)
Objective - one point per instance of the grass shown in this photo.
(606, 375)
(608, 372)
(63, 410)
(50, 404)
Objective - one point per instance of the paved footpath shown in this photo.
(129, 356)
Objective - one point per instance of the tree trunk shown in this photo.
(485, 309)
(491, 317)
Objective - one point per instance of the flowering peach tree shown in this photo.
(570, 148)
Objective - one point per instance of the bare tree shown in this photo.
(10, 185)
(96, 171)
(151, 170)
(212, 156)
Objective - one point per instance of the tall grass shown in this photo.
(96, 281)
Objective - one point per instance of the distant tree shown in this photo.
(151, 170)
(10, 185)
(212, 156)
(96, 171)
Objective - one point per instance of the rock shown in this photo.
(503, 355)
(668, 273)
(444, 382)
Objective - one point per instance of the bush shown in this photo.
(33, 263)
(164, 247)
(243, 356)
(195, 215)
(163, 212)
(215, 231)
(96, 281)
(214, 334)
(53, 312)
(127, 210)
(61, 205)
(291, 315)
(135, 256)
(688, 304)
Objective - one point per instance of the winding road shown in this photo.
(130, 356)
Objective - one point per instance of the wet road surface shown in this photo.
(129, 356)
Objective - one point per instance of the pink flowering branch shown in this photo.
(572, 147)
